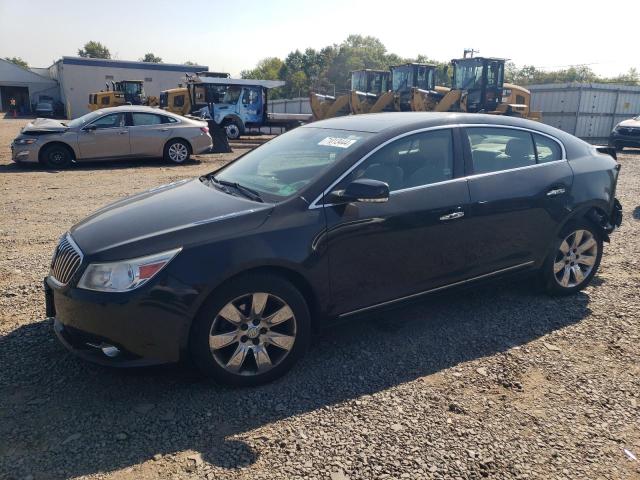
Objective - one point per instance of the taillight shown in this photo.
(204, 129)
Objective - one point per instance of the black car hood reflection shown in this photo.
(163, 211)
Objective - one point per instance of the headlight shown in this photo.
(125, 275)
(24, 141)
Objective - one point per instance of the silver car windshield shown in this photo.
(289, 162)
(83, 120)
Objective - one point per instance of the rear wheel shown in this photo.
(574, 260)
(56, 156)
(177, 151)
(251, 331)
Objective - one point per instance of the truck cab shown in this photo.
(481, 79)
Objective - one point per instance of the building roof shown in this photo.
(102, 62)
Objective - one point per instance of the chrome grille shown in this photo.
(66, 260)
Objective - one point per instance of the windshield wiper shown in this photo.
(246, 191)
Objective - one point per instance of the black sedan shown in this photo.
(328, 221)
(626, 134)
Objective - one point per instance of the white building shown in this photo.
(72, 79)
(25, 86)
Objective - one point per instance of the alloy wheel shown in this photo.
(575, 258)
(178, 152)
(252, 334)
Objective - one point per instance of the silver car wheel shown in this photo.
(178, 152)
(252, 334)
(575, 258)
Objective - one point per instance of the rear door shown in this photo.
(149, 133)
(520, 186)
(418, 240)
(109, 139)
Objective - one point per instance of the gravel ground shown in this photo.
(497, 382)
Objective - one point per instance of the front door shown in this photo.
(414, 242)
(105, 137)
(251, 105)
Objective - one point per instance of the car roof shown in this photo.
(134, 108)
(408, 121)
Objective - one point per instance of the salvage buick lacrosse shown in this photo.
(331, 220)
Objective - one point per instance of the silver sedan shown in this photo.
(109, 133)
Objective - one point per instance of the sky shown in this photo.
(234, 36)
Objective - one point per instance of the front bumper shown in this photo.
(24, 153)
(617, 139)
(146, 329)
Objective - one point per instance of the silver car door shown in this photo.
(105, 137)
(149, 133)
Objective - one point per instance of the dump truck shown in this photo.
(238, 104)
(477, 87)
(125, 92)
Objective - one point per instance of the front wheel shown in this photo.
(56, 156)
(233, 128)
(574, 260)
(251, 331)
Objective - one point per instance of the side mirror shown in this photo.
(362, 190)
(90, 128)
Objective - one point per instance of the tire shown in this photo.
(234, 128)
(56, 156)
(571, 265)
(177, 151)
(251, 331)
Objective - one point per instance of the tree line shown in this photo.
(328, 70)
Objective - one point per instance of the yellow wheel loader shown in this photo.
(404, 80)
(478, 87)
(121, 93)
(367, 88)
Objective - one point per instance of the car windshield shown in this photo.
(281, 167)
(80, 121)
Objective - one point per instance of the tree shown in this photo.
(266, 69)
(93, 49)
(189, 62)
(151, 58)
(18, 61)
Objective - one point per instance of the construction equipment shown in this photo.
(477, 87)
(125, 92)
(237, 104)
(367, 86)
(328, 106)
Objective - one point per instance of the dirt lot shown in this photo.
(499, 382)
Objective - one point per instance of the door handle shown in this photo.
(556, 191)
(123, 132)
(164, 129)
(452, 216)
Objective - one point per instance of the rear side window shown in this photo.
(166, 119)
(412, 161)
(141, 119)
(496, 149)
(548, 150)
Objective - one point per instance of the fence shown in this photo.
(586, 110)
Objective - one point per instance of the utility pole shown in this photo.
(470, 52)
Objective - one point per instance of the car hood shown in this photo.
(166, 217)
(48, 125)
(630, 123)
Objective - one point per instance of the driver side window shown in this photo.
(113, 120)
(412, 161)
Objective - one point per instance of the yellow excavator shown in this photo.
(477, 87)
(125, 92)
(328, 106)
(367, 87)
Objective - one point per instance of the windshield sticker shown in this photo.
(338, 142)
